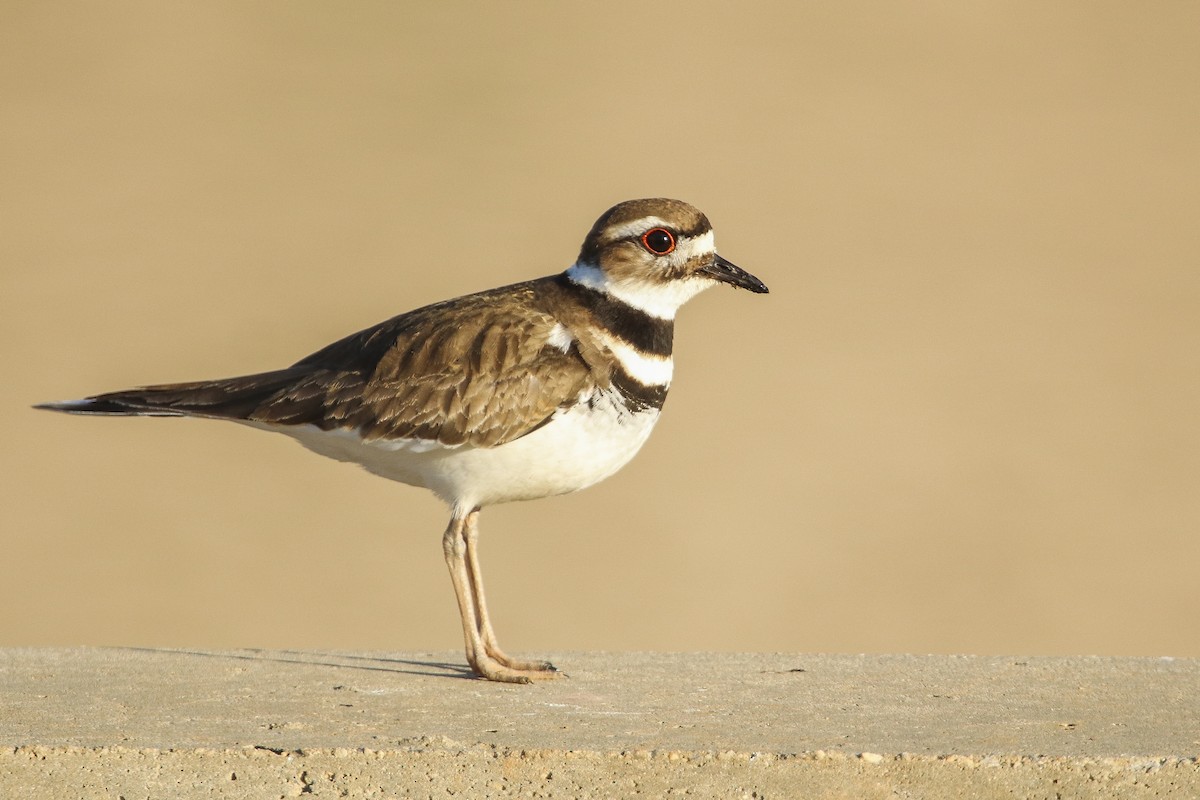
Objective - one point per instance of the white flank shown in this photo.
(560, 337)
(580, 446)
(646, 369)
(657, 299)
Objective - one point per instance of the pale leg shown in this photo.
(540, 669)
(454, 546)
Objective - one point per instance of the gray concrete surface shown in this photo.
(137, 723)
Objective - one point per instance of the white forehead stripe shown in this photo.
(646, 369)
(702, 245)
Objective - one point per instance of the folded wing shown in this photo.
(470, 371)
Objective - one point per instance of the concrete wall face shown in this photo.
(137, 723)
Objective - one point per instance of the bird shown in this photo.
(529, 390)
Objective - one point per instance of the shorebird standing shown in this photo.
(526, 391)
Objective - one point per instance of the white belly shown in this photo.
(579, 447)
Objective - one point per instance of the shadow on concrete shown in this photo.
(434, 669)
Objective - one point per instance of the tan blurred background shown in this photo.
(966, 419)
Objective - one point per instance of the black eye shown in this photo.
(659, 241)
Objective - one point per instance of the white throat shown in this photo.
(657, 299)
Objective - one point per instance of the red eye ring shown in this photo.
(659, 241)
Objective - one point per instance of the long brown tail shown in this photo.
(227, 398)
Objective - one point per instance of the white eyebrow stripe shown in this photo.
(687, 247)
(635, 228)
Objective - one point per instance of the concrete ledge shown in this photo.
(138, 723)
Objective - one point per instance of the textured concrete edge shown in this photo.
(1142, 764)
(45, 772)
(444, 745)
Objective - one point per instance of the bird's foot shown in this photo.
(518, 664)
(496, 666)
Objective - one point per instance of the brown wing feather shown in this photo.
(477, 370)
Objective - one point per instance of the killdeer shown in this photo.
(530, 390)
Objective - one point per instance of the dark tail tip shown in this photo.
(101, 405)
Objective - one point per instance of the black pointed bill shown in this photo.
(728, 272)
